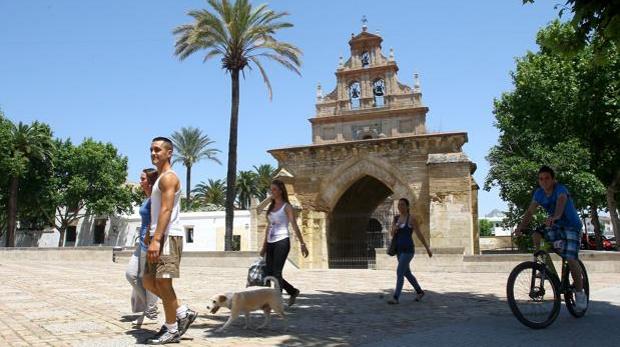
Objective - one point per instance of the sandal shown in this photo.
(393, 301)
(419, 296)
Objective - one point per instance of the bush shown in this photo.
(485, 227)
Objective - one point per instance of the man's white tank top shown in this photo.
(174, 228)
(278, 225)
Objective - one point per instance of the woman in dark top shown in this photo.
(403, 228)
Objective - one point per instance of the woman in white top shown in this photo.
(277, 242)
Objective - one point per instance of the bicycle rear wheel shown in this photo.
(569, 297)
(533, 295)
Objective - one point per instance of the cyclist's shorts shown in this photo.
(570, 236)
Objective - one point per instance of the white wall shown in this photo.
(497, 229)
(123, 231)
(207, 225)
(605, 222)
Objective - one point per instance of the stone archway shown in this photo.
(334, 185)
(356, 227)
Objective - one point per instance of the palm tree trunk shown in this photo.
(231, 175)
(12, 213)
(188, 180)
(612, 205)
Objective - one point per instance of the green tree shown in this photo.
(598, 18)
(560, 114)
(213, 192)
(190, 147)
(486, 227)
(88, 179)
(192, 205)
(5, 145)
(264, 173)
(246, 188)
(28, 145)
(241, 36)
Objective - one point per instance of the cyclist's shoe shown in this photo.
(581, 303)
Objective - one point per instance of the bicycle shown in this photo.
(534, 289)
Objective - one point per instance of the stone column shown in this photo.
(476, 226)
(451, 211)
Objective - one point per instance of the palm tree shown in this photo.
(191, 146)
(28, 143)
(264, 175)
(246, 188)
(213, 192)
(241, 36)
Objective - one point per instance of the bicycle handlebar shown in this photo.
(529, 231)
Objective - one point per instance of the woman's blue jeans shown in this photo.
(403, 270)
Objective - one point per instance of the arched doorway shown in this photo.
(359, 223)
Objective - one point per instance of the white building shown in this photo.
(606, 226)
(496, 217)
(204, 231)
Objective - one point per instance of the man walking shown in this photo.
(165, 245)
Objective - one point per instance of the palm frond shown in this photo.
(241, 34)
(264, 74)
(191, 146)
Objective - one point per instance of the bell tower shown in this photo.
(370, 148)
(368, 102)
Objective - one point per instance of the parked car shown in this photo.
(612, 239)
(588, 241)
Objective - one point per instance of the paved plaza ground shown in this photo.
(71, 303)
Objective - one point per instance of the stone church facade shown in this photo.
(369, 148)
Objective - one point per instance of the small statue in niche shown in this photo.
(379, 88)
(355, 91)
(365, 59)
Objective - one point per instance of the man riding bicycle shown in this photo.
(563, 225)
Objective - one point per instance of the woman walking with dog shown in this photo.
(401, 232)
(277, 245)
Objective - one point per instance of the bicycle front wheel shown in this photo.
(533, 295)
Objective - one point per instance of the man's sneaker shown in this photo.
(185, 322)
(581, 302)
(163, 337)
(292, 298)
(161, 331)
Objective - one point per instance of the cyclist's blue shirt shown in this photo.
(570, 217)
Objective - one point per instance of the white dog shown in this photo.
(250, 299)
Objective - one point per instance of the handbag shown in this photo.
(256, 273)
(392, 250)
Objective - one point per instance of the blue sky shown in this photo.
(106, 70)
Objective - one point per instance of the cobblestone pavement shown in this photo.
(87, 304)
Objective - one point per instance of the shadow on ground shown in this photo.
(339, 318)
